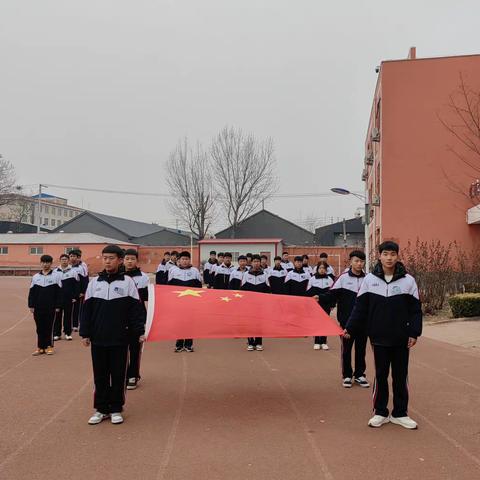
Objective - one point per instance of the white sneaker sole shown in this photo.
(365, 385)
(396, 422)
(346, 385)
(116, 422)
(380, 424)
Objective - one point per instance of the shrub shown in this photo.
(465, 305)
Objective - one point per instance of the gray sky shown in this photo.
(97, 93)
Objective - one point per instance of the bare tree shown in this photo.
(7, 182)
(190, 181)
(245, 170)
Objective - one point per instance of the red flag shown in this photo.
(184, 312)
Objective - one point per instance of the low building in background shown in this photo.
(348, 233)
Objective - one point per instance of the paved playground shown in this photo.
(223, 413)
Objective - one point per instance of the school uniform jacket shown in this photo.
(45, 291)
(320, 285)
(221, 277)
(70, 284)
(185, 277)
(112, 311)
(236, 279)
(389, 311)
(207, 272)
(161, 274)
(255, 281)
(141, 281)
(276, 278)
(308, 269)
(82, 269)
(288, 266)
(296, 282)
(344, 294)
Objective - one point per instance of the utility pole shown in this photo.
(39, 202)
(344, 233)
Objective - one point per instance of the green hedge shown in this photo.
(465, 305)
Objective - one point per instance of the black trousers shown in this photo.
(77, 306)
(44, 319)
(184, 343)
(320, 340)
(109, 372)
(134, 357)
(397, 358)
(254, 341)
(360, 342)
(64, 316)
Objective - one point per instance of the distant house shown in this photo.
(126, 230)
(265, 224)
(332, 235)
(18, 227)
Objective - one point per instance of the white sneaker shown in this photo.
(259, 348)
(56, 338)
(362, 381)
(347, 382)
(68, 337)
(324, 346)
(116, 418)
(250, 348)
(97, 417)
(317, 346)
(405, 422)
(377, 421)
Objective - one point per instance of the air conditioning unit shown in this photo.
(375, 200)
(375, 135)
(364, 175)
(369, 159)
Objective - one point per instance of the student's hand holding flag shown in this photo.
(411, 342)
(345, 334)
(86, 342)
(142, 338)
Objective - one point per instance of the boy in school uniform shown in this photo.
(276, 276)
(306, 267)
(286, 263)
(221, 277)
(297, 279)
(388, 308)
(44, 301)
(264, 263)
(249, 261)
(207, 269)
(344, 293)
(70, 293)
(184, 276)
(75, 256)
(319, 286)
(135, 346)
(255, 280)
(162, 274)
(236, 276)
(111, 316)
(330, 269)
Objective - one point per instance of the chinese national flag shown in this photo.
(184, 312)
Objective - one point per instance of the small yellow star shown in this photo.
(226, 299)
(237, 295)
(188, 292)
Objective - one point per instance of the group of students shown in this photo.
(383, 305)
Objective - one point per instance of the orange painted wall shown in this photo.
(418, 173)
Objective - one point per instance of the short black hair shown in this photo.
(185, 253)
(64, 255)
(389, 246)
(277, 258)
(115, 249)
(304, 256)
(76, 251)
(213, 252)
(131, 251)
(242, 257)
(227, 254)
(359, 254)
(174, 252)
(324, 255)
(166, 253)
(249, 255)
(298, 258)
(46, 259)
(284, 253)
(221, 254)
(256, 257)
(263, 256)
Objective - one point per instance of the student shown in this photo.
(249, 261)
(70, 293)
(75, 256)
(388, 308)
(135, 346)
(344, 293)
(306, 267)
(286, 263)
(255, 280)
(237, 274)
(111, 316)
(318, 286)
(207, 269)
(276, 276)
(44, 301)
(264, 263)
(161, 276)
(330, 269)
(296, 280)
(185, 276)
(221, 277)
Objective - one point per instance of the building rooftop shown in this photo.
(239, 240)
(56, 238)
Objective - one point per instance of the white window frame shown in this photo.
(3, 250)
(36, 252)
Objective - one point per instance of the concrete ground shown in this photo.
(223, 413)
(462, 333)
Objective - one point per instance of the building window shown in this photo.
(47, 209)
(45, 222)
(52, 222)
(54, 211)
(71, 213)
(65, 212)
(36, 250)
(3, 250)
(235, 256)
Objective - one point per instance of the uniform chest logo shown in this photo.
(396, 290)
(118, 290)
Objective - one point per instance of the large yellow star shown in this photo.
(237, 295)
(188, 292)
(226, 299)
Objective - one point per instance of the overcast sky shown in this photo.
(97, 93)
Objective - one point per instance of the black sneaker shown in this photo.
(362, 381)
(347, 382)
(132, 383)
(189, 349)
(178, 349)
